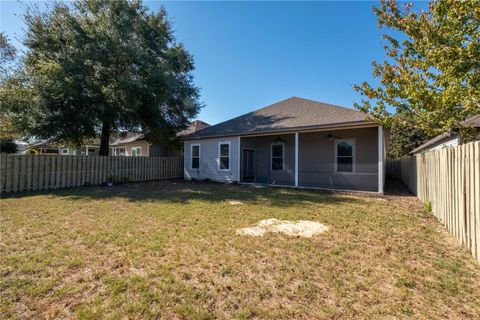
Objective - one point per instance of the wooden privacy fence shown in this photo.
(450, 180)
(393, 169)
(40, 172)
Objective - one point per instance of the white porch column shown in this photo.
(380, 159)
(239, 150)
(296, 159)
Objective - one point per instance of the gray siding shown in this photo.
(262, 147)
(317, 158)
(209, 159)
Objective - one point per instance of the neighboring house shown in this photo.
(42, 147)
(135, 144)
(295, 142)
(92, 148)
(448, 139)
(126, 144)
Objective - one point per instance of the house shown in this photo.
(448, 139)
(41, 147)
(135, 144)
(124, 144)
(295, 142)
(92, 148)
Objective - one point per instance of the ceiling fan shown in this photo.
(330, 136)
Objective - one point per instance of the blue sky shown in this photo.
(251, 54)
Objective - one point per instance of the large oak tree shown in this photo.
(95, 67)
(432, 71)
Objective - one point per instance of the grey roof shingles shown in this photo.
(195, 126)
(444, 136)
(472, 122)
(290, 114)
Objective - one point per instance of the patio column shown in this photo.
(380, 159)
(239, 152)
(296, 159)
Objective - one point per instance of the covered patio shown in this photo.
(340, 159)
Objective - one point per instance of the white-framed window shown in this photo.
(344, 161)
(194, 156)
(277, 155)
(136, 151)
(119, 151)
(64, 151)
(224, 155)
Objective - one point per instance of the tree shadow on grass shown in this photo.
(185, 192)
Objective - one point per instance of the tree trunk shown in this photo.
(105, 139)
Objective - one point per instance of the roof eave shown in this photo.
(432, 141)
(341, 125)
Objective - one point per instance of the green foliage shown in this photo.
(8, 119)
(8, 53)
(18, 107)
(431, 73)
(94, 67)
(404, 137)
(8, 146)
(428, 206)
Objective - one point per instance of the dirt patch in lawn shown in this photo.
(301, 228)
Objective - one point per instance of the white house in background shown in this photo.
(295, 142)
(448, 139)
(127, 144)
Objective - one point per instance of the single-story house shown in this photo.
(41, 147)
(295, 142)
(126, 144)
(135, 144)
(449, 138)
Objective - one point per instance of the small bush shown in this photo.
(428, 206)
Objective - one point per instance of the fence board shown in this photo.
(450, 180)
(3, 172)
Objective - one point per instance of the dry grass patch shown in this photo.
(301, 228)
(165, 250)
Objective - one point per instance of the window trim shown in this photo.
(131, 151)
(283, 155)
(64, 153)
(199, 155)
(335, 157)
(220, 143)
(116, 151)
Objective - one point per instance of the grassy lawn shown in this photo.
(169, 250)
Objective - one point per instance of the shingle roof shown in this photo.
(195, 126)
(444, 136)
(131, 136)
(472, 122)
(128, 137)
(290, 114)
